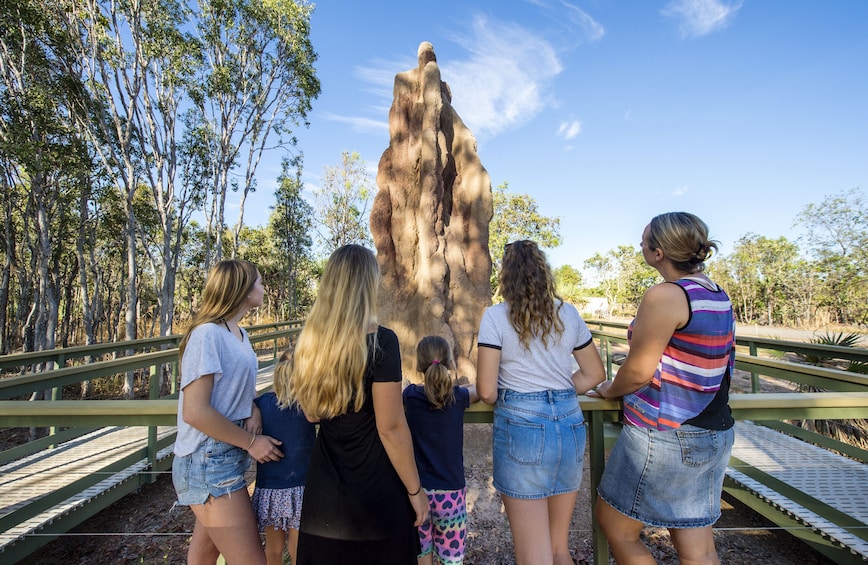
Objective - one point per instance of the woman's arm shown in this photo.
(395, 435)
(487, 367)
(253, 424)
(663, 309)
(199, 413)
(591, 371)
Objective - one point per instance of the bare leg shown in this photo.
(275, 541)
(202, 550)
(529, 523)
(229, 523)
(561, 509)
(623, 535)
(292, 545)
(426, 559)
(695, 546)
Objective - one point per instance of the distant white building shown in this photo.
(595, 307)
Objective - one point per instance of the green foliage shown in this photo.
(622, 277)
(92, 146)
(568, 282)
(290, 224)
(837, 231)
(343, 204)
(839, 339)
(517, 217)
(763, 277)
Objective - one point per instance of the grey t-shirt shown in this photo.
(214, 350)
(537, 367)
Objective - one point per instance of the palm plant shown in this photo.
(853, 432)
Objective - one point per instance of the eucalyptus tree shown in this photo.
(291, 224)
(622, 277)
(342, 204)
(837, 231)
(569, 284)
(41, 157)
(517, 216)
(761, 271)
(256, 84)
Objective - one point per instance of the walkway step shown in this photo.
(827, 477)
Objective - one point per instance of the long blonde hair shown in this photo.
(433, 360)
(330, 357)
(528, 287)
(226, 292)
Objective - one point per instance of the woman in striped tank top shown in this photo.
(667, 467)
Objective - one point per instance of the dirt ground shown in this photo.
(144, 529)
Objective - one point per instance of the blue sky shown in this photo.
(609, 112)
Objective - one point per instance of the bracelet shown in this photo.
(418, 490)
(251, 443)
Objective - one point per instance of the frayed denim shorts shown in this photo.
(539, 443)
(214, 469)
(669, 479)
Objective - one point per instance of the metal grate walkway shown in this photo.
(829, 481)
(39, 490)
(29, 480)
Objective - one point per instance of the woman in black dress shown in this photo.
(363, 498)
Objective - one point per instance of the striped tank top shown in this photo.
(693, 365)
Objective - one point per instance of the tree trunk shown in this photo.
(83, 265)
(6, 274)
(130, 318)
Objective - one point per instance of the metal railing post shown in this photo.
(754, 377)
(153, 394)
(56, 393)
(597, 448)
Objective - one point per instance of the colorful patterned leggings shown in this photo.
(446, 528)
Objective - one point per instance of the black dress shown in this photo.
(356, 509)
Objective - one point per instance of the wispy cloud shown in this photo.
(697, 18)
(680, 190)
(379, 76)
(569, 130)
(575, 25)
(358, 123)
(590, 28)
(505, 78)
(504, 82)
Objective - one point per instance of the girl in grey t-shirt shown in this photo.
(217, 423)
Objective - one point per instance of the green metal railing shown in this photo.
(82, 417)
(848, 399)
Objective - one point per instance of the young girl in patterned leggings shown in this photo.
(435, 414)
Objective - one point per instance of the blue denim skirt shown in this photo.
(539, 443)
(214, 469)
(668, 479)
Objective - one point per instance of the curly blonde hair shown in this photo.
(528, 287)
(329, 359)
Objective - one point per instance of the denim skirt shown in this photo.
(214, 469)
(669, 479)
(539, 443)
